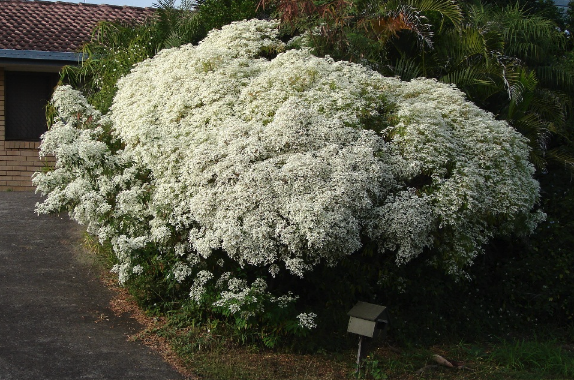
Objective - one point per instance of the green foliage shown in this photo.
(156, 290)
(533, 39)
(373, 370)
(158, 293)
(543, 272)
(499, 59)
(510, 359)
(216, 13)
(521, 286)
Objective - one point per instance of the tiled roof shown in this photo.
(59, 26)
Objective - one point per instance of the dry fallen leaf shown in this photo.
(442, 361)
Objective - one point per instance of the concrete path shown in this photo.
(54, 317)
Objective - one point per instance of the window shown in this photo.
(26, 96)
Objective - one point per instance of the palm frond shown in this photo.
(562, 154)
(555, 76)
(465, 76)
(165, 4)
(406, 68)
(528, 36)
(447, 9)
(457, 46)
(551, 106)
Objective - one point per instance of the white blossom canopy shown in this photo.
(285, 160)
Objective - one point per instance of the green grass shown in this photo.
(545, 358)
(519, 359)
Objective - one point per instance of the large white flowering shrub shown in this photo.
(239, 152)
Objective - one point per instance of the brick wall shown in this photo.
(18, 159)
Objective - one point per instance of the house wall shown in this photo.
(18, 159)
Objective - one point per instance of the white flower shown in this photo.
(198, 287)
(181, 272)
(307, 320)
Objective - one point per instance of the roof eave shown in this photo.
(64, 58)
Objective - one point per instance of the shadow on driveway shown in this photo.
(55, 322)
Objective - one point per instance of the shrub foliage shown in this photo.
(228, 171)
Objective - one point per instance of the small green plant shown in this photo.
(373, 369)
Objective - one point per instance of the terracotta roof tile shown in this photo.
(59, 26)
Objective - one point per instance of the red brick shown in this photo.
(59, 26)
(15, 168)
(29, 152)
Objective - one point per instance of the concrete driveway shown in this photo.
(55, 322)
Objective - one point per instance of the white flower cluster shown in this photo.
(242, 296)
(284, 160)
(307, 320)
